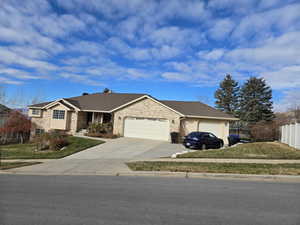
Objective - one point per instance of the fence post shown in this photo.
(297, 135)
(293, 135)
(287, 134)
(283, 134)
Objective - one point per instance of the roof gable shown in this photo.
(104, 102)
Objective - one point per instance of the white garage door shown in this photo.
(157, 129)
(212, 127)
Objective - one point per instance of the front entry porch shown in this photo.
(87, 118)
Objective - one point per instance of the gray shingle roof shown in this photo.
(102, 101)
(110, 101)
(195, 109)
(4, 109)
(98, 101)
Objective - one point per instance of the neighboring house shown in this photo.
(132, 115)
(4, 114)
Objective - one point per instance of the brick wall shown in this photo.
(145, 108)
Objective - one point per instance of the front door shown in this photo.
(89, 119)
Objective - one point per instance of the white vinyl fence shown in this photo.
(290, 134)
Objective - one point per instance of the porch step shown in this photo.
(81, 132)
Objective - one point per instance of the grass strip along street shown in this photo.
(258, 150)
(11, 165)
(238, 168)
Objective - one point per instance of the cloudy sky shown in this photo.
(171, 49)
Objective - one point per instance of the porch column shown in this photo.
(93, 117)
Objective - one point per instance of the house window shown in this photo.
(39, 131)
(59, 114)
(36, 111)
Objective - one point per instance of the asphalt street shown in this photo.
(84, 200)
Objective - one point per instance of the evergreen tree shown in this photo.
(228, 96)
(256, 101)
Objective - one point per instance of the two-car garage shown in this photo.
(148, 128)
(159, 129)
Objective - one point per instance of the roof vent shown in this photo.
(107, 91)
(85, 93)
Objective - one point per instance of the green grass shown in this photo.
(259, 150)
(27, 151)
(238, 168)
(10, 165)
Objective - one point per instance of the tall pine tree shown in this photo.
(256, 101)
(228, 96)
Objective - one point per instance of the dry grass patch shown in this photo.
(237, 168)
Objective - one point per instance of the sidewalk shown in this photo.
(215, 160)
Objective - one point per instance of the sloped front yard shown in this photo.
(258, 150)
(28, 151)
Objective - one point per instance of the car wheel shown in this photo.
(203, 146)
(221, 145)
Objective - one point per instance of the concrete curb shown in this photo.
(27, 160)
(245, 177)
(220, 160)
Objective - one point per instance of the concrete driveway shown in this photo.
(109, 157)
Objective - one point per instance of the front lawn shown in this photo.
(238, 168)
(28, 151)
(10, 165)
(258, 150)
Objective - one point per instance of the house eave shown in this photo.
(212, 117)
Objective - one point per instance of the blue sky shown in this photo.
(174, 49)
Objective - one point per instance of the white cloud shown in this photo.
(58, 26)
(221, 29)
(286, 77)
(290, 100)
(173, 76)
(10, 58)
(275, 52)
(175, 36)
(84, 79)
(18, 74)
(260, 25)
(4, 80)
(165, 52)
(212, 55)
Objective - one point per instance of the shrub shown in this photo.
(264, 131)
(100, 128)
(53, 140)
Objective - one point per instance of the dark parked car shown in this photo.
(202, 140)
(233, 139)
